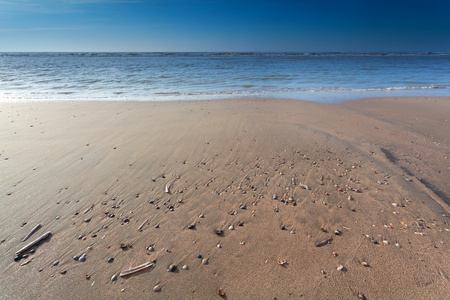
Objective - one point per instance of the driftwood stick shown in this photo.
(35, 228)
(142, 225)
(136, 269)
(39, 239)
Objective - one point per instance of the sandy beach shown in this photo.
(239, 198)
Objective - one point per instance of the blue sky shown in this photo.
(224, 25)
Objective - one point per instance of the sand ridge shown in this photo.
(286, 175)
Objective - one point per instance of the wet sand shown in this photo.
(260, 198)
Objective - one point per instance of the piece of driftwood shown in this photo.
(324, 242)
(136, 269)
(33, 243)
(35, 228)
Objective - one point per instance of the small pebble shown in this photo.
(231, 227)
(157, 288)
(201, 216)
(87, 220)
(114, 277)
(151, 249)
(63, 272)
(219, 246)
(185, 267)
(205, 261)
(292, 232)
(105, 227)
(76, 257)
(340, 268)
(110, 260)
(17, 257)
(82, 257)
(55, 263)
(40, 270)
(398, 245)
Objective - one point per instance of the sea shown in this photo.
(320, 77)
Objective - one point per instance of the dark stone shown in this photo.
(18, 257)
(172, 268)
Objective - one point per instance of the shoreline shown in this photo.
(254, 185)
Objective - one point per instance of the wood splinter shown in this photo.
(136, 269)
(35, 228)
(142, 225)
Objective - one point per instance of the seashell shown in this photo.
(219, 246)
(350, 197)
(398, 245)
(220, 292)
(340, 268)
(334, 254)
(87, 276)
(364, 264)
(185, 267)
(337, 232)
(205, 261)
(292, 232)
(156, 288)
(281, 262)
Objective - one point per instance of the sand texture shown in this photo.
(259, 198)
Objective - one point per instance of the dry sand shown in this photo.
(93, 173)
